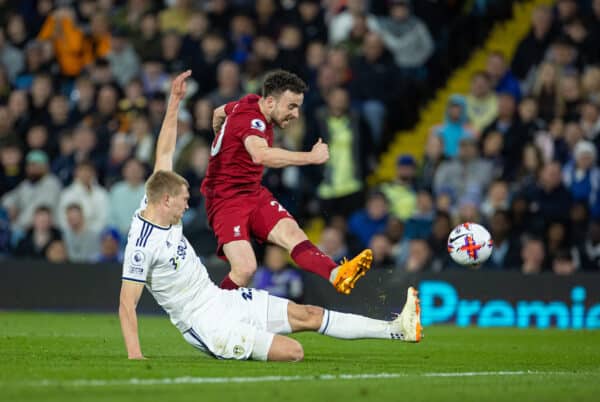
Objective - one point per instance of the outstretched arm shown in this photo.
(165, 146)
(264, 155)
(130, 295)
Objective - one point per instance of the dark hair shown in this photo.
(279, 81)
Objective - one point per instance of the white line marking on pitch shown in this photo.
(226, 380)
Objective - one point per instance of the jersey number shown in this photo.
(216, 145)
(247, 294)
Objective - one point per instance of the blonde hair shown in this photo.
(161, 182)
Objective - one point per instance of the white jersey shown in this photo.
(163, 259)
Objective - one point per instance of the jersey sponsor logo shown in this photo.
(258, 124)
(237, 231)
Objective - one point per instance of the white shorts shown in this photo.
(239, 324)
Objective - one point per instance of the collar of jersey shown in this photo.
(153, 224)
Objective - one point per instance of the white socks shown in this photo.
(352, 326)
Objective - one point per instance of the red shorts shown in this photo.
(244, 216)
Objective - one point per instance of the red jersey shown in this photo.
(230, 170)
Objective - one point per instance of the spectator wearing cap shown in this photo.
(110, 247)
(339, 182)
(467, 171)
(372, 219)
(81, 242)
(401, 192)
(40, 187)
(455, 127)
(405, 35)
(124, 61)
(39, 236)
(86, 192)
(581, 176)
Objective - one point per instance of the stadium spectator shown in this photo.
(563, 263)
(121, 149)
(532, 49)
(170, 52)
(532, 256)
(228, 90)
(418, 225)
(69, 42)
(497, 199)
(382, 251)
(455, 126)
(506, 247)
(81, 242)
(482, 102)
(503, 81)
(277, 277)
(333, 243)
(86, 192)
(339, 182)
(147, 41)
(419, 256)
(40, 187)
(372, 219)
(340, 25)
(11, 167)
(39, 235)
(374, 84)
(125, 195)
(110, 247)
(10, 57)
(124, 61)
(581, 176)
(56, 252)
(466, 172)
(401, 193)
(406, 37)
(588, 251)
(432, 159)
(311, 19)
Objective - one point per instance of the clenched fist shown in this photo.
(319, 153)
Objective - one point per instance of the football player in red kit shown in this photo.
(239, 207)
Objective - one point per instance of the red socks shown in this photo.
(228, 284)
(311, 259)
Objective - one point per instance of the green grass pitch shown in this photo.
(80, 357)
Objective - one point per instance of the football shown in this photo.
(470, 244)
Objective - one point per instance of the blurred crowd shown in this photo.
(83, 89)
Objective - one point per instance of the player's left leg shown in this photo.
(287, 234)
(407, 326)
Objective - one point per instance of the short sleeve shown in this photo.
(230, 106)
(254, 126)
(136, 264)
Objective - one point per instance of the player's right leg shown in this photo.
(406, 327)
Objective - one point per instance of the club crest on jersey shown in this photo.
(237, 231)
(258, 124)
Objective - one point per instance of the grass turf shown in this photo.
(43, 355)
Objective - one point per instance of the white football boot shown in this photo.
(407, 325)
